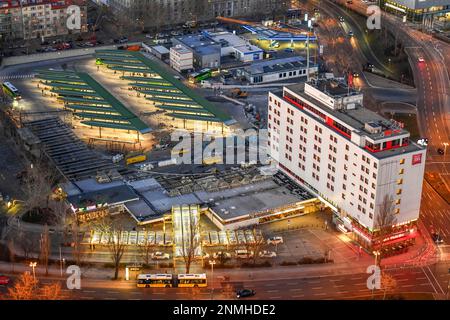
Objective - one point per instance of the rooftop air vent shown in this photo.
(372, 127)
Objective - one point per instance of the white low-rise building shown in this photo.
(181, 58)
(353, 159)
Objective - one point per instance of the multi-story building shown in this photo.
(359, 163)
(426, 11)
(29, 19)
(181, 59)
(156, 13)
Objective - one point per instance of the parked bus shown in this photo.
(11, 91)
(155, 280)
(192, 280)
(135, 157)
(201, 75)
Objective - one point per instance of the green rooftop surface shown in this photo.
(113, 109)
(69, 86)
(219, 115)
(107, 110)
(75, 93)
(188, 110)
(175, 101)
(192, 117)
(128, 69)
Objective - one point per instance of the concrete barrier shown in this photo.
(36, 57)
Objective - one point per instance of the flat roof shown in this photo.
(357, 118)
(112, 195)
(277, 65)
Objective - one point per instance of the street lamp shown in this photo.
(445, 148)
(33, 266)
(212, 263)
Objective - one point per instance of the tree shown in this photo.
(191, 240)
(27, 243)
(45, 248)
(256, 245)
(388, 283)
(116, 247)
(384, 222)
(24, 288)
(27, 288)
(77, 252)
(146, 251)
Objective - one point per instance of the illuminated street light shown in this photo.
(33, 265)
(445, 147)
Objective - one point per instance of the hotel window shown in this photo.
(401, 171)
(397, 201)
(347, 147)
(402, 161)
(400, 181)
(397, 211)
(375, 165)
(399, 191)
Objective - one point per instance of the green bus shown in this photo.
(11, 91)
(201, 75)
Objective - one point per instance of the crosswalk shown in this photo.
(16, 76)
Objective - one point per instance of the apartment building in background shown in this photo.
(353, 159)
(157, 13)
(30, 19)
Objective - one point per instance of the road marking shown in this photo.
(89, 291)
(342, 292)
(274, 297)
(86, 297)
(298, 289)
(317, 288)
(319, 294)
(298, 296)
(112, 292)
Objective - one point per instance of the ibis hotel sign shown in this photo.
(417, 158)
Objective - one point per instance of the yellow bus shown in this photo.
(154, 280)
(134, 158)
(192, 280)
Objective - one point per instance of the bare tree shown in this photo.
(256, 245)
(116, 247)
(24, 288)
(77, 250)
(27, 288)
(45, 248)
(388, 283)
(191, 243)
(27, 243)
(146, 251)
(384, 222)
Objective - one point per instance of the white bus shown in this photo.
(192, 280)
(163, 280)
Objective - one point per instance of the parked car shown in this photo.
(4, 280)
(275, 240)
(245, 293)
(160, 256)
(216, 255)
(267, 254)
(341, 19)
